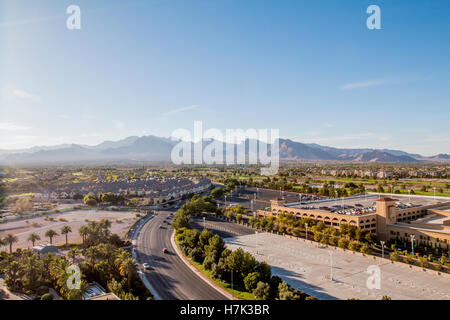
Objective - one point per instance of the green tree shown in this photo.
(73, 254)
(262, 291)
(83, 232)
(10, 239)
(33, 237)
(65, 231)
(51, 234)
(128, 268)
(343, 243)
(180, 220)
(217, 193)
(251, 281)
(90, 200)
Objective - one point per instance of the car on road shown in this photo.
(165, 250)
(146, 266)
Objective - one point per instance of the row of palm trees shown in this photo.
(10, 239)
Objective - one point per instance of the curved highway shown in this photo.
(170, 277)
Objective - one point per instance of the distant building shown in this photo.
(45, 248)
(94, 291)
(427, 218)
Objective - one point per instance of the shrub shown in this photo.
(343, 243)
(47, 296)
(208, 262)
(262, 291)
(365, 249)
(354, 246)
(251, 281)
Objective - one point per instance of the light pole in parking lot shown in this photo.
(256, 242)
(382, 248)
(306, 226)
(331, 264)
(251, 203)
(204, 222)
(413, 237)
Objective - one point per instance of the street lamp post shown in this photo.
(232, 289)
(306, 226)
(204, 222)
(413, 237)
(251, 202)
(382, 249)
(331, 264)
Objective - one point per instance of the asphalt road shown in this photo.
(169, 275)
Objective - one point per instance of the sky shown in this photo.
(311, 69)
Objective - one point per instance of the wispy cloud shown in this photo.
(175, 111)
(10, 126)
(22, 94)
(364, 84)
(62, 16)
(380, 82)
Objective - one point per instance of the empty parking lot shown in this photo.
(307, 267)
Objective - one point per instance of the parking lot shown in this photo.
(307, 267)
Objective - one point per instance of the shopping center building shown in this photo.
(389, 217)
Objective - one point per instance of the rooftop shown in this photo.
(366, 204)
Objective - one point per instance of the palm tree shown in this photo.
(127, 269)
(66, 230)
(33, 238)
(50, 234)
(84, 232)
(10, 239)
(73, 254)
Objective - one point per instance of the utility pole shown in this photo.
(382, 248)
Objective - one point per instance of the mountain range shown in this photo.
(158, 149)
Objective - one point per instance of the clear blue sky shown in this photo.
(310, 68)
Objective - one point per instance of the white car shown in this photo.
(146, 266)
